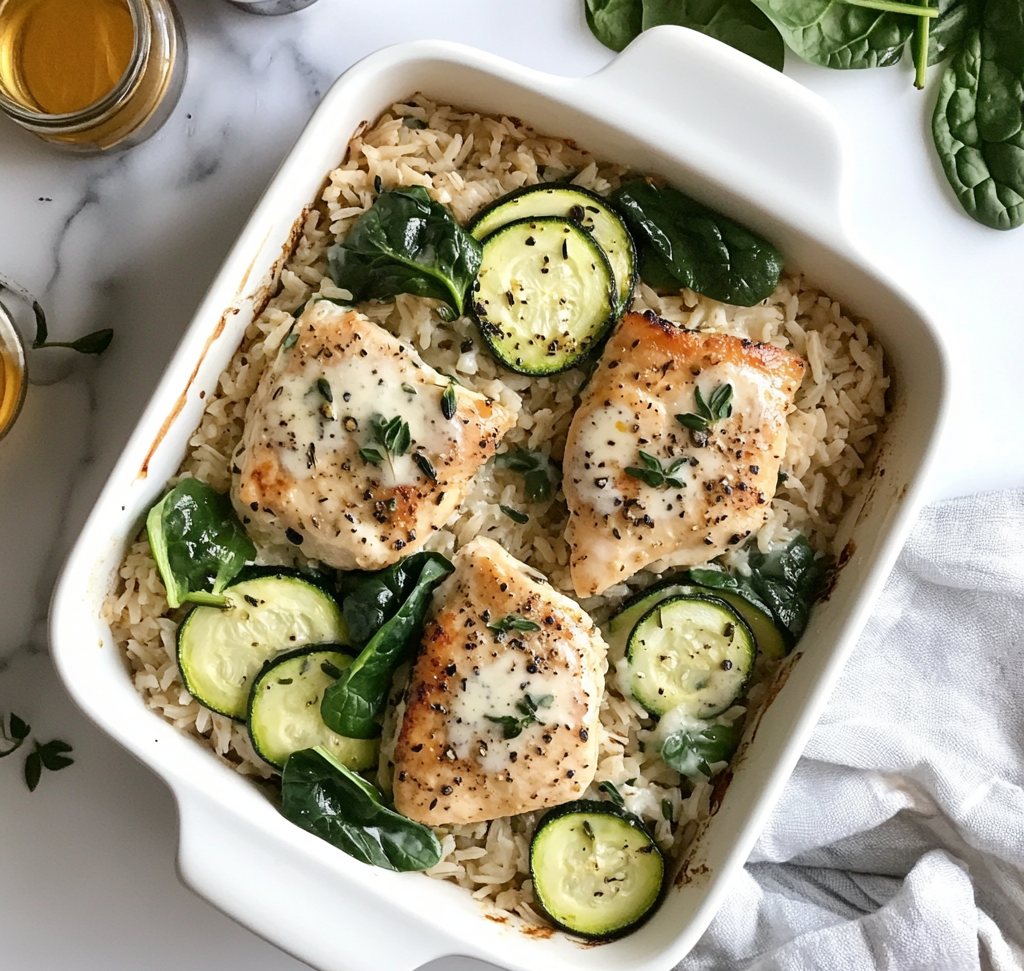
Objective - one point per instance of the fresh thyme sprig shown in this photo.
(449, 401)
(52, 755)
(708, 412)
(512, 622)
(95, 343)
(540, 475)
(393, 436)
(511, 726)
(655, 474)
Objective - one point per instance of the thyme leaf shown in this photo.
(425, 466)
(540, 475)
(511, 726)
(655, 474)
(515, 515)
(371, 456)
(708, 412)
(512, 622)
(449, 402)
(613, 793)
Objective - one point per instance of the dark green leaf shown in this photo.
(613, 793)
(393, 435)
(689, 751)
(654, 475)
(408, 389)
(41, 329)
(512, 622)
(197, 541)
(784, 583)
(449, 401)
(615, 22)
(737, 23)
(540, 475)
(371, 456)
(697, 423)
(666, 809)
(19, 729)
(979, 103)
(949, 30)
(840, 35)
(425, 466)
(511, 727)
(324, 387)
(412, 122)
(290, 341)
(720, 405)
(399, 598)
(53, 755)
(702, 249)
(515, 515)
(323, 797)
(654, 479)
(33, 769)
(406, 243)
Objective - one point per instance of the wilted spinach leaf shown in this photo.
(691, 750)
(737, 23)
(693, 246)
(784, 583)
(389, 607)
(406, 243)
(614, 22)
(838, 34)
(977, 125)
(330, 801)
(198, 543)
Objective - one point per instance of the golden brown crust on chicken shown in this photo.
(499, 722)
(724, 478)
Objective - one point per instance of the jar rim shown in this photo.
(111, 101)
(11, 341)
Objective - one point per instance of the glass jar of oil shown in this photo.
(12, 372)
(90, 75)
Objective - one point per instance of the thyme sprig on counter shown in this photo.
(52, 755)
(95, 343)
(655, 474)
(708, 412)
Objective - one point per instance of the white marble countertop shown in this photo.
(132, 241)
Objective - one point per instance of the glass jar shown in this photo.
(12, 371)
(137, 104)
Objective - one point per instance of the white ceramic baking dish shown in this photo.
(728, 130)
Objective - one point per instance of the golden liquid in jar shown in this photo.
(11, 379)
(60, 56)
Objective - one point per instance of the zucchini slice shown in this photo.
(692, 654)
(220, 651)
(284, 709)
(770, 643)
(582, 206)
(544, 296)
(596, 870)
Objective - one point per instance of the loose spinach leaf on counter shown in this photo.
(784, 583)
(198, 543)
(540, 475)
(839, 34)
(614, 22)
(949, 30)
(685, 244)
(977, 125)
(694, 750)
(330, 801)
(737, 23)
(388, 608)
(406, 243)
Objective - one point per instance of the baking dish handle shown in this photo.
(742, 123)
(227, 859)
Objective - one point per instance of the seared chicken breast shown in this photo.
(694, 492)
(502, 709)
(318, 468)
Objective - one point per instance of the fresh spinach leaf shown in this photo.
(837, 34)
(737, 23)
(689, 751)
(198, 543)
(977, 122)
(614, 22)
(351, 705)
(406, 243)
(784, 583)
(949, 30)
(330, 801)
(540, 475)
(696, 247)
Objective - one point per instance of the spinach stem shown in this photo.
(920, 48)
(889, 6)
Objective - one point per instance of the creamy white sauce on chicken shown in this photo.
(315, 469)
(502, 708)
(692, 494)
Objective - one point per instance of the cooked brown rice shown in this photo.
(467, 160)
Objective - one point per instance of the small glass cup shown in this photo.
(138, 104)
(13, 372)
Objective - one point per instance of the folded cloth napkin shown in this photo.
(898, 843)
